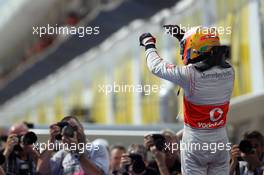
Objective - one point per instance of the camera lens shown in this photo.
(29, 138)
(246, 147)
(159, 141)
(68, 131)
(138, 163)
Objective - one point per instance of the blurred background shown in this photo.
(43, 79)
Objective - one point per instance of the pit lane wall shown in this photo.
(74, 89)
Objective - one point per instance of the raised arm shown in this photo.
(179, 75)
(43, 166)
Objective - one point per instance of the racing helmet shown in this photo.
(197, 42)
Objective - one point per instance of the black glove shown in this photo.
(175, 31)
(147, 40)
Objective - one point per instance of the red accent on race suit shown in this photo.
(170, 66)
(205, 116)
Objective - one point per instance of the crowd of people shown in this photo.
(69, 152)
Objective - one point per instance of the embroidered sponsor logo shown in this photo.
(216, 75)
(211, 125)
(216, 114)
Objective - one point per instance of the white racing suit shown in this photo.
(206, 102)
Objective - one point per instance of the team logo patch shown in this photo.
(216, 114)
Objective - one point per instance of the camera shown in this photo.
(28, 139)
(137, 163)
(246, 147)
(159, 141)
(66, 129)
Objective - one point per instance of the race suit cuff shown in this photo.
(149, 46)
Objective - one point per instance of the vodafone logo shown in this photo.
(216, 114)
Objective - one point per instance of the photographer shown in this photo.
(20, 156)
(135, 162)
(167, 161)
(248, 158)
(88, 159)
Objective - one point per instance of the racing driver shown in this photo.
(207, 80)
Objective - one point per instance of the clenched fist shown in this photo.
(147, 40)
